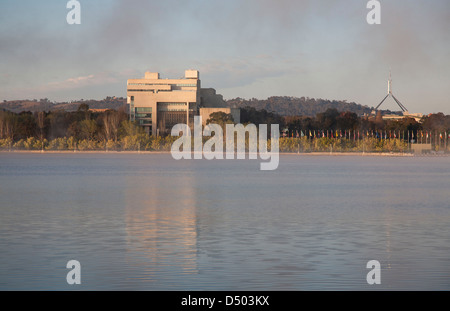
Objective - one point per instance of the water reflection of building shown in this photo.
(161, 224)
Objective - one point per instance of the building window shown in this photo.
(145, 122)
(143, 115)
(172, 106)
(187, 85)
(132, 110)
(143, 109)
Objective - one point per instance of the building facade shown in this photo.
(158, 104)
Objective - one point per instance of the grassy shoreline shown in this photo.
(143, 143)
(381, 154)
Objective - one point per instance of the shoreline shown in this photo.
(360, 154)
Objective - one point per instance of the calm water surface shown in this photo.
(148, 222)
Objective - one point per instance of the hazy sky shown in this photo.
(242, 48)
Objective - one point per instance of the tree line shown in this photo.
(61, 129)
(334, 120)
(84, 129)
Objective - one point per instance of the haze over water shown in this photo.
(148, 222)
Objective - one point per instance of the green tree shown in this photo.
(221, 118)
(129, 128)
(328, 120)
(83, 107)
(88, 129)
(347, 121)
(26, 125)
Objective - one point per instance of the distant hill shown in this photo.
(303, 106)
(18, 106)
(282, 105)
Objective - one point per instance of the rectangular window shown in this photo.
(132, 109)
(187, 85)
(152, 91)
(172, 106)
(143, 109)
(148, 84)
(145, 122)
(143, 115)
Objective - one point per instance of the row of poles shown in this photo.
(414, 137)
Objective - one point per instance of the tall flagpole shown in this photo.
(436, 140)
(408, 140)
(445, 141)
(389, 93)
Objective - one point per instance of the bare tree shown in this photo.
(11, 126)
(106, 126)
(2, 124)
(40, 120)
(8, 125)
(111, 123)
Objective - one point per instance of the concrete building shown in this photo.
(406, 114)
(377, 116)
(158, 104)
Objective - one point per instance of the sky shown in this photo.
(242, 48)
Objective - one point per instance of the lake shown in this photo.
(148, 222)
